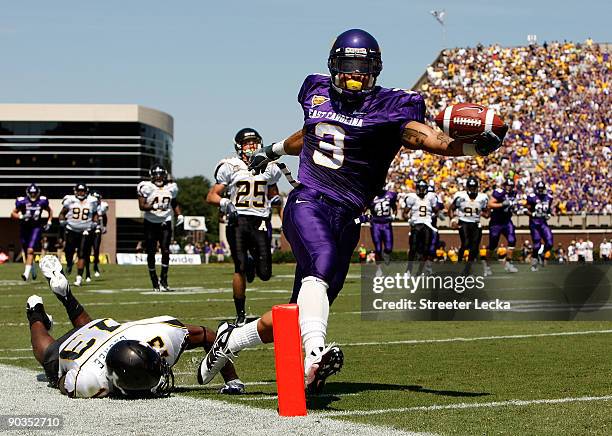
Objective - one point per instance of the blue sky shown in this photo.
(219, 66)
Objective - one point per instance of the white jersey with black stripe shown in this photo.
(469, 210)
(80, 212)
(162, 195)
(248, 192)
(82, 357)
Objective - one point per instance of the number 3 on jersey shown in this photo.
(336, 159)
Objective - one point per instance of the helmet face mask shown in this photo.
(509, 185)
(422, 188)
(81, 191)
(159, 175)
(247, 142)
(354, 63)
(471, 186)
(33, 192)
(136, 370)
(540, 188)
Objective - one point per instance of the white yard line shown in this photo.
(21, 393)
(509, 403)
(418, 341)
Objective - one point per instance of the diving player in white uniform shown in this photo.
(157, 198)
(102, 357)
(247, 210)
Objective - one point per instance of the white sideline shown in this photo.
(464, 406)
(20, 393)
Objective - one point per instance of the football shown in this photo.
(466, 120)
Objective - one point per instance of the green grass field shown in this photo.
(448, 386)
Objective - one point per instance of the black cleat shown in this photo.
(240, 319)
(323, 363)
(35, 311)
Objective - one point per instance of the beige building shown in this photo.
(108, 147)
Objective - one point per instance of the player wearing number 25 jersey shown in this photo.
(383, 209)
(157, 198)
(247, 211)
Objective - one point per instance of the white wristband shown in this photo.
(469, 149)
(223, 204)
(279, 148)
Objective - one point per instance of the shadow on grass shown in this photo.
(334, 391)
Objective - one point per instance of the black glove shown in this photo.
(487, 142)
(276, 201)
(261, 159)
(231, 213)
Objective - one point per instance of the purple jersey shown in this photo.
(347, 150)
(540, 207)
(32, 210)
(502, 215)
(382, 207)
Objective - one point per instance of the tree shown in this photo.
(192, 195)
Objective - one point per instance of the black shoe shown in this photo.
(240, 319)
(250, 269)
(326, 362)
(24, 277)
(35, 311)
(163, 286)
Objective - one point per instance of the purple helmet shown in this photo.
(33, 192)
(540, 188)
(354, 52)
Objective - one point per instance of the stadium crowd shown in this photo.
(555, 98)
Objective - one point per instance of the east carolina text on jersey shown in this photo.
(348, 148)
(162, 195)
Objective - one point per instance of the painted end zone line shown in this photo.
(478, 338)
(463, 406)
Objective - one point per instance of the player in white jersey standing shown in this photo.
(469, 206)
(102, 357)
(97, 237)
(421, 207)
(158, 199)
(247, 210)
(79, 218)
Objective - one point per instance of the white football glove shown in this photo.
(179, 220)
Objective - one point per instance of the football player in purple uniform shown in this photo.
(352, 131)
(539, 209)
(28, 210)
(502, 204)
(383, 209)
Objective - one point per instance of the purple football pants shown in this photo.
(539, 232)
(382, 235)
(323, 237)
(30, 236)
(495, 232)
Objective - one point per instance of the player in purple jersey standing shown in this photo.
(382, 210)
(28, 210)
(539, 209)
(352, 131)
(502, 204)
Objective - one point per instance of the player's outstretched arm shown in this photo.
(214, 194)
(420, 136)
(292, 146)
